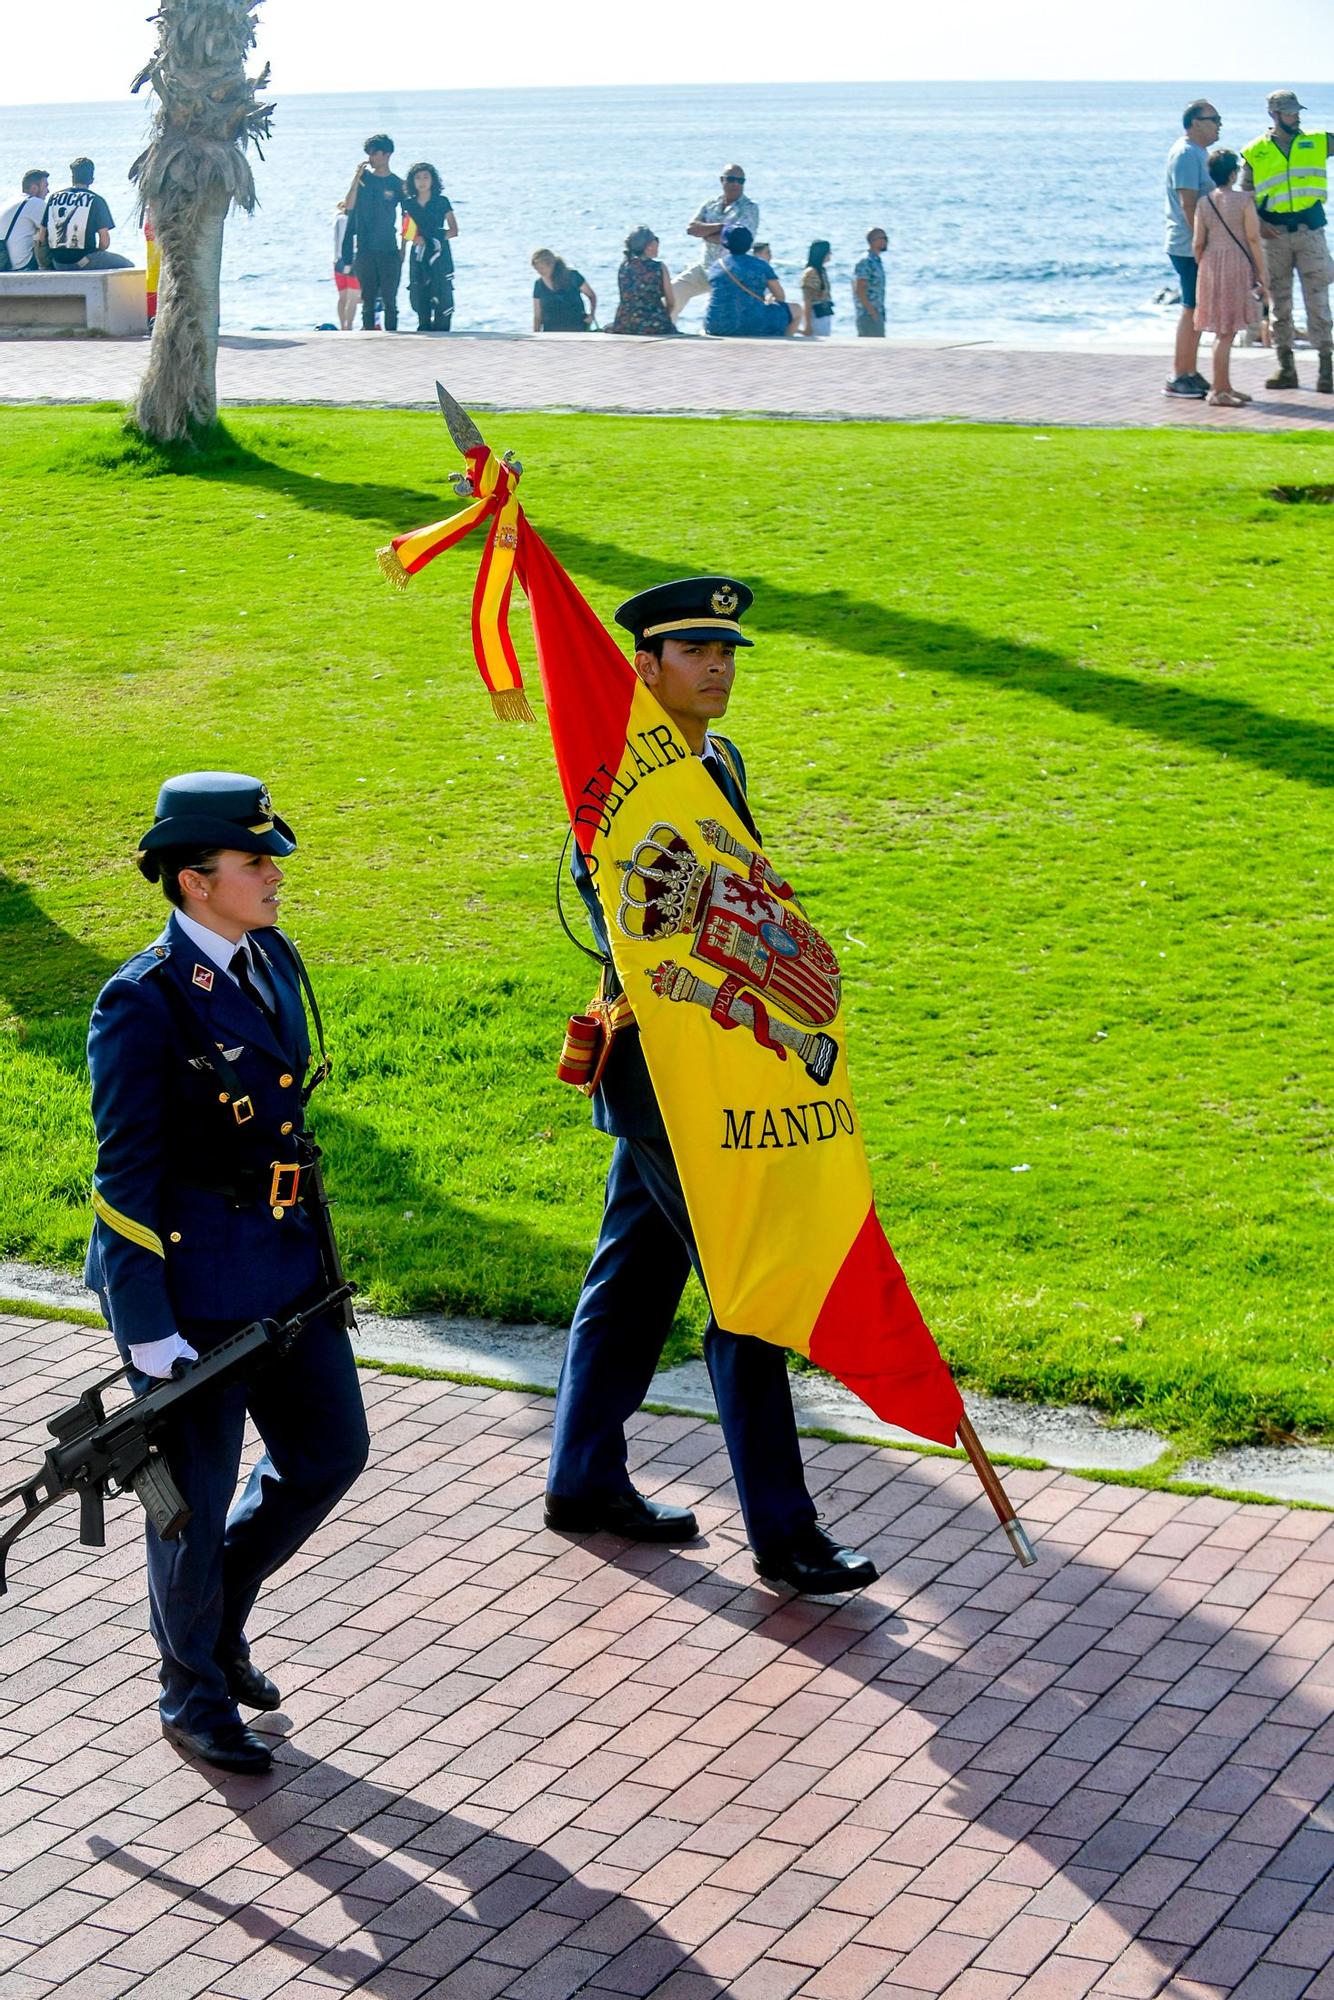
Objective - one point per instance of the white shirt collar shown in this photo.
(220, 951)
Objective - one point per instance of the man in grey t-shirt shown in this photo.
(1187, 179)
(729, 210)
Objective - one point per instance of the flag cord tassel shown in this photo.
(995, 1492)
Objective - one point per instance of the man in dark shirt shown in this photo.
(371, 246)
(77, 224)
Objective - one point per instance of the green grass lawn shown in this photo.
(1038, 724)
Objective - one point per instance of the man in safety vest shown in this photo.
(1287, 171)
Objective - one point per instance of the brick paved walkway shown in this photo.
(525, 1766)
(780, 378)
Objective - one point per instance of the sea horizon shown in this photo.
(1016, 212)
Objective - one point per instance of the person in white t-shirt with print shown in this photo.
(20, 222)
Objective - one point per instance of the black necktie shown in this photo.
(243, 975)
(733, 793)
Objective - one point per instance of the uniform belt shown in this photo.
(277, 1186)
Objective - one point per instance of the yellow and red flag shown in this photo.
(736, 994)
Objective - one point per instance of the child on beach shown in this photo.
(1230, 287)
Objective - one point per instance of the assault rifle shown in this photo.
(99, 1456)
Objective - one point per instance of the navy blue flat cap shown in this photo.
(217, 809)
(696, 607)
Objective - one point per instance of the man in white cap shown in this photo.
(731, 209)
(1287, 170)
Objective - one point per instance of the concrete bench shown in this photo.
(73, 302)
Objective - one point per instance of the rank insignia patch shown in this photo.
(202, 976)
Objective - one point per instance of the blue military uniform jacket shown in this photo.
(624, 1104)
(167, 1245)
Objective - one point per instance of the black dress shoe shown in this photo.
(230, 1747)
(626, 1514)
(813, 1562)
(245, 1683)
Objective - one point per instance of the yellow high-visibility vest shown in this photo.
(1285, 186)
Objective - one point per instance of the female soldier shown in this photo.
(207, 1216)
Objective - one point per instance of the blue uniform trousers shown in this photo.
(307, 1407)
(643, 1257)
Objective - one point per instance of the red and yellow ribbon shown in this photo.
(495, 487)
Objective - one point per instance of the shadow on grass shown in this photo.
(1219, 724)
(393, 1219)
(223, 459)
(44, 972)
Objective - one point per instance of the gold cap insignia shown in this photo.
(724, 600)
(265, 802)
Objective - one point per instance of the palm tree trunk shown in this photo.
(178, 394)
(191, 173)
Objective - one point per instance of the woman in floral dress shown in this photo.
(1230, 287)
(646, 303)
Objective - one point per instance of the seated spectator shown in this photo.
(76, 226)
(817, 302)
(430, 260)
(647, 302)
(558, 296)
(764, 250)
(20, 222)
(745, 298)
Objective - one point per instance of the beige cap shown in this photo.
(1277, 99)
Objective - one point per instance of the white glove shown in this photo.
(155, 1357)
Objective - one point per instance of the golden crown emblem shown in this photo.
(724, 600)
(662, 885)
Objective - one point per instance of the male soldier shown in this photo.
(1286, 169)
(206, 1218)
(686, 635)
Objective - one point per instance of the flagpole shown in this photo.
(995, 1492)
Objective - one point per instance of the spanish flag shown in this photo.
(737, 995)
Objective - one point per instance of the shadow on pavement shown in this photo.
(426, 1891)
(1113, 1768)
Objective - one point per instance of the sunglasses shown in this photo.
(736, 180)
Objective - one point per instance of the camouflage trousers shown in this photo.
(1303, 253)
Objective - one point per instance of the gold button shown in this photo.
(175, 1235)
(284, 1081)
(285, 1127)
(278, 1214)
(223, 1098)
(158, 952)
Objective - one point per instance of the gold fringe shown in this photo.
(392, 567)
(511, 705)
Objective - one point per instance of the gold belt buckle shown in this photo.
(243, 1110)
(277, 1199)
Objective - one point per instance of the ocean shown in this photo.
(1020, 213)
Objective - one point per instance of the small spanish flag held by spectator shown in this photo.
(153, 264)
(737, 996)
